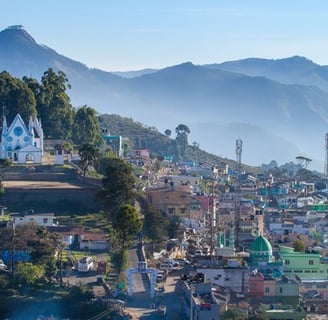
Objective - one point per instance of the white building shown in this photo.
(42, 219)
(21, 143)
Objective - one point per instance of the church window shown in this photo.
(18, 131)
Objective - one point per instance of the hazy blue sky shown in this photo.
(135, 34)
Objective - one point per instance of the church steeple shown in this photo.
(4, 125)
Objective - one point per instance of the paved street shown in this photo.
(142, 307)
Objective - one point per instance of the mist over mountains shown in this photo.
(279, 108)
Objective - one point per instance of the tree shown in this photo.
(127, 225)
(16, 97)
(181, 139)
(168, 132)
(86, 127)
(195, 145)
(299, 246)
(28, 273)
(89, 154)
(118, 187)
(233, 314)
(154, 224)
(54, 105)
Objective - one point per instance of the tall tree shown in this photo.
(86, 127)
(181, 139)
(16, 97)
(127, 225)
(118, 187)
(168, 132)
(89, 154)
(54, 105)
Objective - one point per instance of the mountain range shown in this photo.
(279, 108)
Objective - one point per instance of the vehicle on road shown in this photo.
(85, 264)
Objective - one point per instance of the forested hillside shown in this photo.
(159, 144)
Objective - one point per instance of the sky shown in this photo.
(125, 35)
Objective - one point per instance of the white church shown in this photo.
(22, 143)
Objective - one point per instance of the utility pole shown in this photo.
(213, 215)
(239, 150)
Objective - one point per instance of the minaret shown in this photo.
(232, 236)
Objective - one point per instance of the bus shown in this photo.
(85, 264)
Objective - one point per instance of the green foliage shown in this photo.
(118, 187)
(233, 314)
(16, 97)
(120, 260)
(54, 107)
(89, 154)
(104, 161)
(28, 273)
(299, 246)
(154, 225)
(168, 132)
(259, 316)
(127, 225)
(86, 127)
(181, 139)
(141, 136)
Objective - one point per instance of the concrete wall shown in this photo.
(52, 200)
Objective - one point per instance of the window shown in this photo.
(45, 220)
(266, 289)
(311, 262)
(171, 210)
(183, 210)
(280, 290)
(287, 261)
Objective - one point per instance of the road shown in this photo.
(141, 305)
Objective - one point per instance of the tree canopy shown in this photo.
(127, 225)
(86, 127)
(118, 187)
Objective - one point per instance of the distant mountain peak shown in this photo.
(16, 34)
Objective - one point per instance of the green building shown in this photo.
(305, 265)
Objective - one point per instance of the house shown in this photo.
(22, 143)
(175, 203)
(70, 236)
(42, 219)
(94, 241)
(304, 265)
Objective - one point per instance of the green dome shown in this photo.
(261, 245)
(260, 251)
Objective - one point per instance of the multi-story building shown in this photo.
(304, 265)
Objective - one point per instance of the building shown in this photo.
(199, 301)
(42, 219)
(261, 258)
(175, 203)
(114, 142)
(266, 289)
(22, 143)
(304, 265)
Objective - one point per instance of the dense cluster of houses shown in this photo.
(263, 266)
